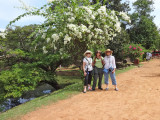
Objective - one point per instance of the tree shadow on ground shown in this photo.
(152, 75)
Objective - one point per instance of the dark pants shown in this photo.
(88, 78)
(98, 73)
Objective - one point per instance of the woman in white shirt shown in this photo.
(87, 69)
(109, 69)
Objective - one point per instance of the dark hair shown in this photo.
(98, 51)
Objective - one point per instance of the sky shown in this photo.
(156, 12)
(9, 10)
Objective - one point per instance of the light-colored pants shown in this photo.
(113, 78)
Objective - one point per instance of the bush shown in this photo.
(20, 79)
(133, 51)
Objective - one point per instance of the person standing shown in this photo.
(109, 69)
(147, 56)
(98, 70)
(87, 69)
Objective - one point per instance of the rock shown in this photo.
(39, 91)
(120, 64)
(128, 60)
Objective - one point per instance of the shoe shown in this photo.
(107, 89)
(93, 89)
(100, 88)
(116, 89)
(84, 91)
(89, 89)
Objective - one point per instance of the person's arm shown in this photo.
(114, 65)
(84, 64)
(102, 60)
(94, 61)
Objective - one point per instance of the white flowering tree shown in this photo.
(72, 27)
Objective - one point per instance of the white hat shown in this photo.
(88, 51)
(109, 50)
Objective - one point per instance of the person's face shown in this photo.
(98, 54)
(88, 55)
(108, 53)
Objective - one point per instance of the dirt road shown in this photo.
(138, 98)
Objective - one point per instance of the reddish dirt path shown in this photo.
(137, 99)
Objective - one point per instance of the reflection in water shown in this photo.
(10, 103)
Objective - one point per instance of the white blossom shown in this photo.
(72, 27)
(113, 12)
(69, 14)
(67, 38)
(65, 42)
(89, 37)
(78, 34)
(3, 35)
(48, 40)
(44, 50)
(61, 51)
(98, 31)
(96, 26)
(44, 35)
(70, 8)
(55, 37)
(83, 28)
(72, 19)
(60, 34)
(91, 26)
(89, 11)
(93, 17)
(55, 48)
(125, 16)
(118, 26)
(102, 10)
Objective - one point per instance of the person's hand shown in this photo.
(85, 73)
(99, 57)
(113, 71)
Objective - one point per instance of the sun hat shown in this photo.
(109, 50)
(88, 51)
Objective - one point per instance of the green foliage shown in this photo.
(75, 26)
(32, 53)
(133, 51)
(118, 44)
(143, 30)
(116, 5)
(21, 78)
(144, 7)
(17, 37)
(61, 94)
(23, 68)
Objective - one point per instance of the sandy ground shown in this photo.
(138, 98)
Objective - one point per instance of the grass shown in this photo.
(67, 80)
(76, 87)
(119, 71)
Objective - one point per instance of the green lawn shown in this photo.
(70, 90)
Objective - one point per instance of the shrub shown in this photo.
(21, 78)
(133, 51)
